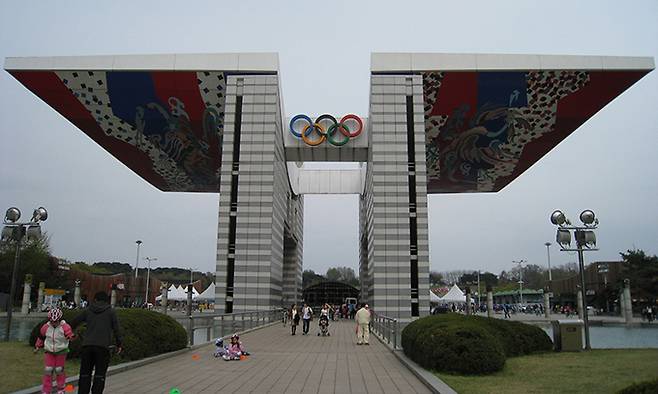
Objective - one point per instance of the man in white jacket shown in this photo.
(362, 325)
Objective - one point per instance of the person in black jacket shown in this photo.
(101, 323)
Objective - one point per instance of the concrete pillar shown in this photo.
(163, 290)
(579, 307)
(27, 287)
(490, 311)
(113, 298)
(547, 306)
(628, 304)
(42, 289)
(468, 301)
(76, 293)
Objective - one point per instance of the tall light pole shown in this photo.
(520, 263)
(148, 276)
(585, 238)
(16, 230)
(478, 290)
(548, 256)
(139, 243)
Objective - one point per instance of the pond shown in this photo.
(618, 336)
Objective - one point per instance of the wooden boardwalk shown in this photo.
(279, 363)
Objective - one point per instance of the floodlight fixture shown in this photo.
(12, 215)
(588, 218)
(586, 239)
(40, 215)
(33, 232)
(563, 238)
(558, 218)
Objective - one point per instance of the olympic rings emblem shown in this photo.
(326, 133)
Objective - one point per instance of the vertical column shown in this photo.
(400, 262)
(253, 199)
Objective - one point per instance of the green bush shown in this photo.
(648, 387)
(144, 333)
(469, 344)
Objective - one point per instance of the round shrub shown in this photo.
(648, 387)
(442, 345)
(144, 333)
(469, 344)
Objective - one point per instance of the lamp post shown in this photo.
(148, 277)
(139, 243)
(520, 263)
(16, 230)
(548, 257)
(585, 241)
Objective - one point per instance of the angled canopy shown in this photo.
(454, 295)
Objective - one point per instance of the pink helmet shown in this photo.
(55, 314)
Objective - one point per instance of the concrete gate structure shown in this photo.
(437, 123)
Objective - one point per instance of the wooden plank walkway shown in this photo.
(279, 363)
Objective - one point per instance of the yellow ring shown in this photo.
(317, 142)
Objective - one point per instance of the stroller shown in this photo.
(324, 326)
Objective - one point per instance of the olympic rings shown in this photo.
(329, 133)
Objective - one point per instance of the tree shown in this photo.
(35, 259)
(342, 274)
(436, 279)
(309, 278)
(642, 270)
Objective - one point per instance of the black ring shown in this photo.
(325, 116)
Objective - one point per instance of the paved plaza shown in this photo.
(279, 363)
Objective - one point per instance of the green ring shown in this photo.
(330, 135)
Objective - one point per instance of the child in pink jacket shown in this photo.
(54, 339)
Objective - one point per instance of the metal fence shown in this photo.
(221, 324)
(386, 328)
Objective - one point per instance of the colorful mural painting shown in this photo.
(165, 126)
(483, 129)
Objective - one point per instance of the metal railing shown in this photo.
(222, 324)
(386, 328)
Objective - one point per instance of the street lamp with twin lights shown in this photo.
(15, 230)
(585, 241)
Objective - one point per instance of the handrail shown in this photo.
(387, 328)
(222, 324)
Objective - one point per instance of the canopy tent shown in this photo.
(454, 295)
(434, 298)
(208, 294)
(176, 293)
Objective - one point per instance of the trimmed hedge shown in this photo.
(469, 344)
(144, 333)
(648, 387)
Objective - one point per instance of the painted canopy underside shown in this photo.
(483, 129)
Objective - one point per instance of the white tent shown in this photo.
(434, 298)
(208, 294)
(176, 293)
(454, 295)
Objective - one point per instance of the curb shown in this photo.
(436, 385)
(115, 369)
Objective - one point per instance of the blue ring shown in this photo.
(296, 118)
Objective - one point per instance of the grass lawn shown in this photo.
(22, 369)
(596, 371)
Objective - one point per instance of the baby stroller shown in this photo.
(324, 326)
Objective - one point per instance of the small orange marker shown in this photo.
(195, 357)
(69, 388)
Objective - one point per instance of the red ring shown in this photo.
(347, 133)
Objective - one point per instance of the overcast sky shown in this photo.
(98, 207)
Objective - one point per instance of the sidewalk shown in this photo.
(279, 363)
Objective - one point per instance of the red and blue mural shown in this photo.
(165, 126)
(483, 129)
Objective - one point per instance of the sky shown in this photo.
(99, 208)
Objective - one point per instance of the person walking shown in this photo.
(307, 314)
(362, 317)
(101, 323)
(294, 318)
